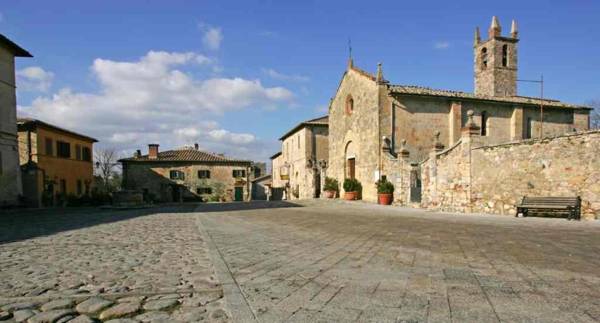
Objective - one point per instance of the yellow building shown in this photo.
(55, 162)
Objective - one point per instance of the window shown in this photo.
(203, 190)
(176, 174)
(505, 55)
(298, 141)
(63, 149)
(49, 147)
(86, 154)
(349, 105)
(79, 187)
(78, 152)
(203, 174)
(239, 173)
(484, 60)
(484, 123)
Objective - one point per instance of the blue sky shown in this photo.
(234, 75)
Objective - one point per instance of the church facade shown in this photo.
(376, 128)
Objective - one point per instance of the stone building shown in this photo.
(376, 128)
(187, 174)
(10, 175)
(55, 162)
(299, 167)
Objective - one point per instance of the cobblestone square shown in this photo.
(312, 261)
(344, 262)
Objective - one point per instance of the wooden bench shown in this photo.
(567, 205)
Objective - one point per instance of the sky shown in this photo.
(233, 76)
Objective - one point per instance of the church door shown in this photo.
(351, 168)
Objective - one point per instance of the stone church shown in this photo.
(376, 126)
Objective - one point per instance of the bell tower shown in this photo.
(496, 61)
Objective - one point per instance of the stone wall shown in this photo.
(568, 165)
(472, 177)
(445, 179)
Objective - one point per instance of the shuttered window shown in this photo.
(204, 173)
(63, 149)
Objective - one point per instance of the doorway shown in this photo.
(238, 194)
(415, 186)
(175, 193)
(350, 167)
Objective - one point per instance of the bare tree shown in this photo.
(595, 114)
(107, 169)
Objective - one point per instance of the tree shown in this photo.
(595, 114)
(107, 170)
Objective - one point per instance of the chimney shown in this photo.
(152, 151)
(196, 146)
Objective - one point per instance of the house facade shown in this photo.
(10, 175)
(376, 128)
(187, 174)
(55, 162)
(299, 168)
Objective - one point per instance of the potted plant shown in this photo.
(385, 191)
(331, 188)
(352, 188)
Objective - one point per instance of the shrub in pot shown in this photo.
(352, 189)
(331, 188)
(385, 191)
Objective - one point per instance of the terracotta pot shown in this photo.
(350, 196)
(330, 194)
(385, 198)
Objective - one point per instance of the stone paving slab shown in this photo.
(354, 262)
(116, 266)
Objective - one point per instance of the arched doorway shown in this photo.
(350, 160)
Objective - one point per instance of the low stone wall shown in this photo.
(567, 165)
(446, 179)
(472, 178)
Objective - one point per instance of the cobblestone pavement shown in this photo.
(89, 265)
(340, 262)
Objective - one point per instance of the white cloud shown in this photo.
(154, 99)
(34, 78)
(284, 77)
(212, 38)
(441, 45)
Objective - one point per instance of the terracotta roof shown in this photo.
(185, 155)
(420, 90)
(320, 121)
(25, 123)
(14, 48)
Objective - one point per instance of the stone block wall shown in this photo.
(470, 177)
(446, 179)
(567, 165)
